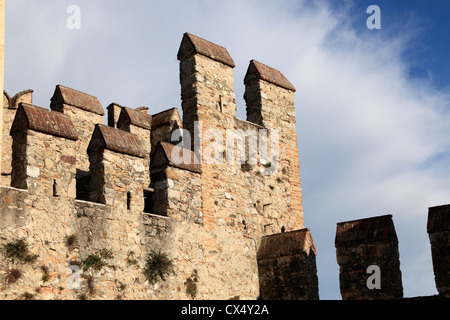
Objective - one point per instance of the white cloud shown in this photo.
(371, 140)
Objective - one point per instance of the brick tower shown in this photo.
(2, 64)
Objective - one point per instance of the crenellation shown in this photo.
(117, 166)
(114, 110)
(10, 106)
(96, 185)
(85, 111)
(164, 125)
(365, 244)
(177, 188)
(226, 207)
(43, 141)
(287, 267)
(138, 123)
(438, 228)
(241, 197)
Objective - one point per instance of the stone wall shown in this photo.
(91, 207)
(438, 228)
(364, 243)
(287, 267)
(85, 111)
(43, 152)
(117, 166)
(208, 219)
(10, 106)
(241, 203)
(43, 215)
(138, 123)
(163, 125)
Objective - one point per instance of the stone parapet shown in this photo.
(287, 267)
(438, 228)
(85, 193)
(363, 246)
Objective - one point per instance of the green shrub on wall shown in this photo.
(157, 265)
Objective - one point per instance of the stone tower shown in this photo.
(2, 63)
(246, 196)
(231, 217)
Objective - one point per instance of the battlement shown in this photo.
(107, 138)
(79, 191)
(29, 117)
(122, 186)
(65, 96)
(361, 244)
(368, 248)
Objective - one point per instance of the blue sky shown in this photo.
(373, 106)
(429, 49)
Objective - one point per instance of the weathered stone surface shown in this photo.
(137, 118)
(101, 192)
(364, 243)
(67, 96)
(164, 124)
(40, 119)
(240, 205)
(192, 44)
(438, 228)
(116, 140)
(287, 267)
(259, 70)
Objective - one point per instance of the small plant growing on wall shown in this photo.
(12, 276)
(27, 296)
(157, 265)
(97, 261)
(90, 284)
(191, 284)
(131, 261)
(93, 261)
(46, 275)
(71, 242)
(18, 251)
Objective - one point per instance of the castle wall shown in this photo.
(179, 233)
(438, 228)
(49, 168)
(269, 99)
(364, 243)
(232, 228)
(45, 220)
(85, 111)
(139, 124)
(287, 267)
(42, 214)
(114, 111)
(118, 168)
(10, 106)
(240, 202)
(163, 125)
(123, 174)
(208, 219)
(85, 122)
